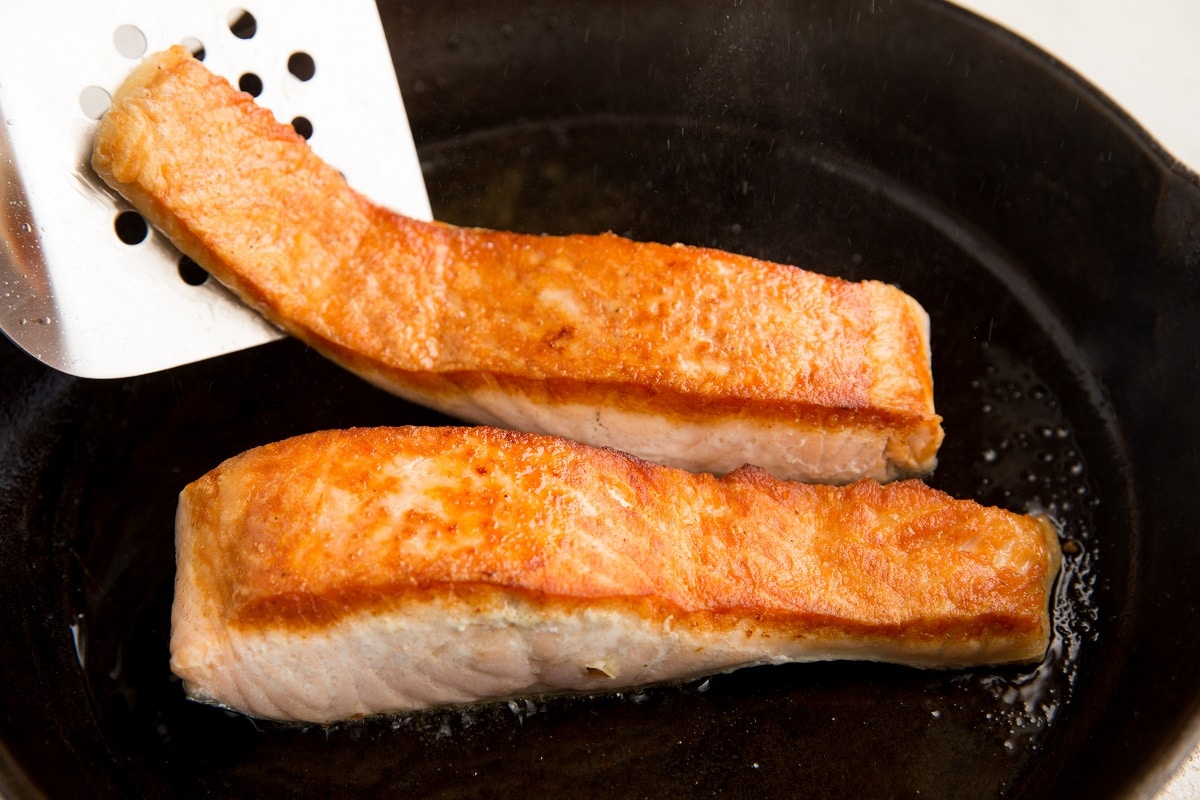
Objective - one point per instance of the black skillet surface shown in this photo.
(1054, 247)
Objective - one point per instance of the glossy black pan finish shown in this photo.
(1055, 248)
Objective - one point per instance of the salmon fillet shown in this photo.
(688, 356)
(349, 573)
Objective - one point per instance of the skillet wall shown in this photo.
(1104, 231)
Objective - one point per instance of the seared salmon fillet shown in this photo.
(683, 355)
(349, 573)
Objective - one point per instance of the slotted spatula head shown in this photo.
(85, 286)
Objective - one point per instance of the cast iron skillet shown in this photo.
(1054, 246)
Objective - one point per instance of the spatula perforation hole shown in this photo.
(194, 46)
(192, 273)
(251, 84)
(131, 228)
(302, 65)
(94, 101)
(129, 41)
(242, 23)
(303, 126)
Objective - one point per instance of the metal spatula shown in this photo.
(84, 285)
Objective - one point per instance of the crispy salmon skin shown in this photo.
(350, 573)
(688, 356)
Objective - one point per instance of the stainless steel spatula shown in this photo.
(84, 285)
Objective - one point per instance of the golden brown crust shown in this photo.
(308, 531)
(435, 312)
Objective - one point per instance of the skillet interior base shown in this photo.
(1015, 418)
